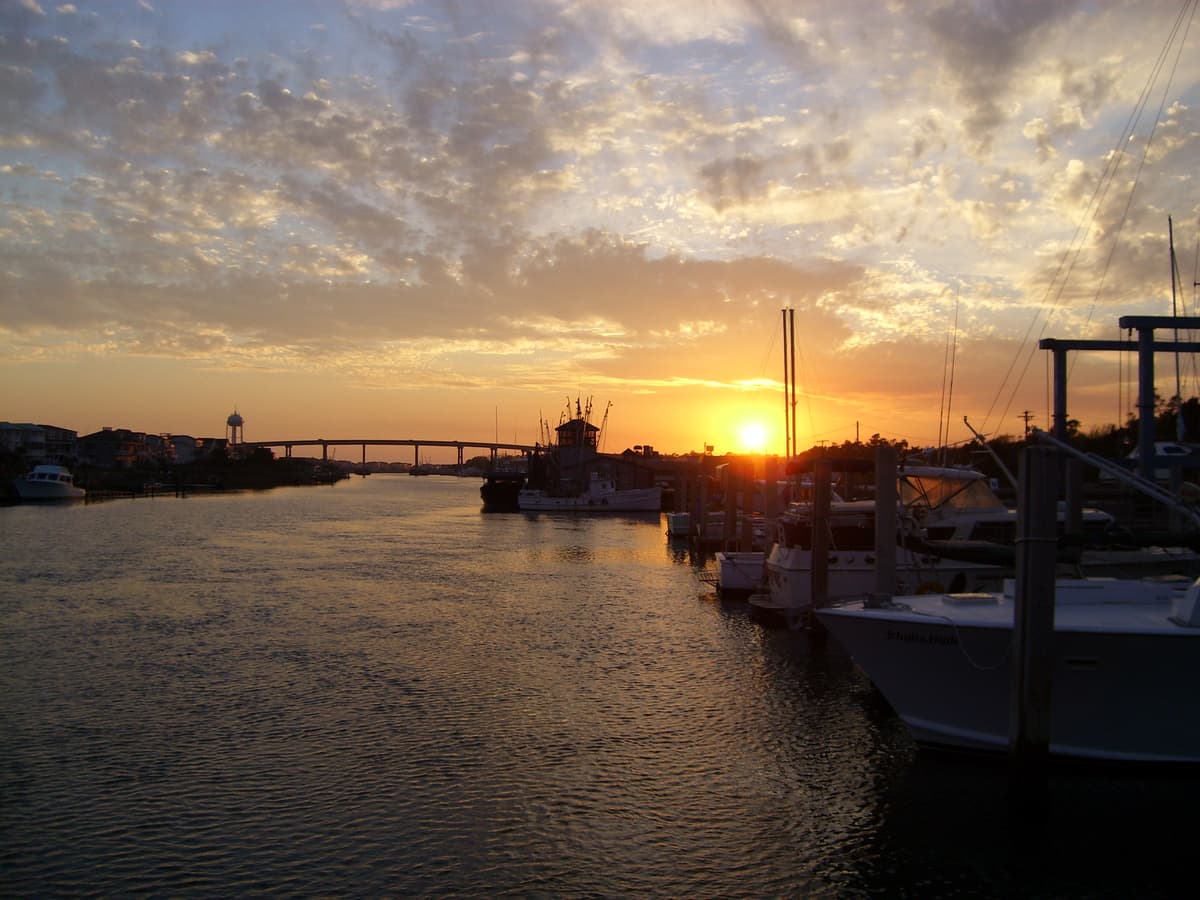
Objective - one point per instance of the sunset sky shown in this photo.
(391, 219)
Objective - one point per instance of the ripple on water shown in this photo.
(376, 690)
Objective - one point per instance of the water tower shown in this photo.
(233, 428)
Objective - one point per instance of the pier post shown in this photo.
(1073, 497)
(1033, 616)
(1145, 342)
(886, 501)
(822, 487)
(1059, 356)
(729, 485)
(746, 538)
(771, 496)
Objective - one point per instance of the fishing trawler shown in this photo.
(570, 474)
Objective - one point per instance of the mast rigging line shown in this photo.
(1108, 177)
(950, 392)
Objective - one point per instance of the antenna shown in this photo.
(604, 424)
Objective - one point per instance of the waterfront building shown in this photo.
(39, 443)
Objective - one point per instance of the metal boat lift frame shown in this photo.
(1146, 346)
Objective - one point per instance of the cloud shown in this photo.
(984, 47)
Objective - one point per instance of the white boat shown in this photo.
(953, 534)
(1167, 454)
(602, 495)
(954, 504)
(1126, 662)
(851, 561)
(714, 531)
(740, 573)
(47, 482)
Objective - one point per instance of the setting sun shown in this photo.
(753, 437)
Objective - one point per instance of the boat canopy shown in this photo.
(935, 488)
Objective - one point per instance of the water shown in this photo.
(374, 689)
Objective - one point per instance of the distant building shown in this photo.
(109, 448)
(160, 449)
(116, 448)
(190, 449)
(62, 444)
(24, 438)
(187, 448)
(39, 443)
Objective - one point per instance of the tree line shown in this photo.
(1110, 441)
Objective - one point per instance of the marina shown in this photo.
(836, 575)
(377, 688)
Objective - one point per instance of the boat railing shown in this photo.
(1137, 482)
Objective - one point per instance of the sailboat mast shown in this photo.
(787, 432)
(792, 341)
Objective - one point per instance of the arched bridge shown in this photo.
(491, 446)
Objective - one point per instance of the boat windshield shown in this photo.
(966, 491)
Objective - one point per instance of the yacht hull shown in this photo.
(1123, 676)
(633, 500)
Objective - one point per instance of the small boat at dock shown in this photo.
(48, 483)
(740, 573)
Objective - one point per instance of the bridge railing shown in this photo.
(325, 443)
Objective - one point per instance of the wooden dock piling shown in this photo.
(886, 499)
(1033, 617)
(822, 490)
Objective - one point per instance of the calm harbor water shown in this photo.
(375, 689)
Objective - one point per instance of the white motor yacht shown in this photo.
(48, 482)
(1126, 661)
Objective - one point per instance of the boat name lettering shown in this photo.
(916, 637)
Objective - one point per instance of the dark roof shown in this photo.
(575, 423)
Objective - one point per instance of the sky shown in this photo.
(449, 220)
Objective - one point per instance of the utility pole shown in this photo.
(1027, 415)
